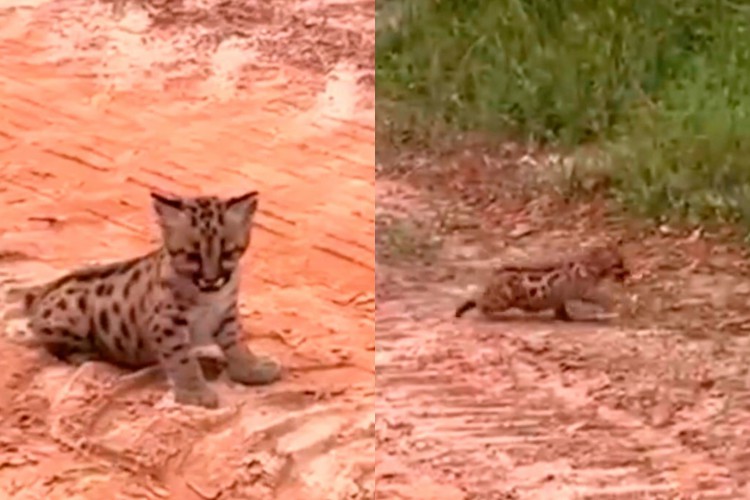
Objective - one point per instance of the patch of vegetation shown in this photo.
(659, 90)
(401, 240)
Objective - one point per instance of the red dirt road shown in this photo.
(651, 404)
(94, 118)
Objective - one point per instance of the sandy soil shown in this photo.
(653, 404)
(102, 101)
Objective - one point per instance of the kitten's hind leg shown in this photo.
(561, 313)
(64, 342)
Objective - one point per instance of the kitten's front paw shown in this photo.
(260, 370)
(205, 397)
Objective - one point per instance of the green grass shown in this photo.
(661, 89)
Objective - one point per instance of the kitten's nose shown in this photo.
(213, 284)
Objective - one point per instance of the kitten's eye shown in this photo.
(193, 257)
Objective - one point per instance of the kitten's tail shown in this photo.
(466, 306)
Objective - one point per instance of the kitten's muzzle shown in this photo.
(205, 285)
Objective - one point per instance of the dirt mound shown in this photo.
(312, 35)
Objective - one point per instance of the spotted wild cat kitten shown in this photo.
(156, 308)
(535, 287)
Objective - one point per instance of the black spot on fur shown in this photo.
(28, 300)
(223, 326)
(167, 332)
(108, 271)
(116, 308)
(119, 345)
(62, 304)
(82, 303)
(180, 321)
(67, 334)
(46, 313)
(100, 289)
(91, 336)
(125, 330)
(132, 315)
(104, 320)
(184, 361)
(134, 278)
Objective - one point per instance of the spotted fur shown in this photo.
(536, 287)
(157, 307)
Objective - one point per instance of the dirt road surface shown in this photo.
(652, 404)
(100, 101)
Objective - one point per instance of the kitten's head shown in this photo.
(607, 260)
(206, 236)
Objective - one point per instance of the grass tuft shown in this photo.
(660, 89)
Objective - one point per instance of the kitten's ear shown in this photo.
(242, 208)
(169, 208)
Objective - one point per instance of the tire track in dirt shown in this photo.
(486, 407)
